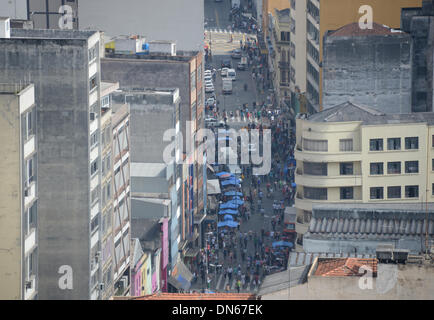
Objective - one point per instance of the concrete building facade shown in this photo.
(64, 66)
(355, 154)
(183, 71)
(419, 22)
(382, 81)
(19, 197)
(332, 15)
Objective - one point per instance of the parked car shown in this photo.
(241, 66)
(209, 83)
(232, 74)
(226, 63)
(210, 101)
(207, 77)
(224, 72)
(236, 54)
(209, 89)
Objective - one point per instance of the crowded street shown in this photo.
(248, 236)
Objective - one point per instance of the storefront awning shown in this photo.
(191, 252)
(181, 277)
(213, 186)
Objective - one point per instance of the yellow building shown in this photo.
(280, 58)
(325, 15)
(270, 7)
(355, 154)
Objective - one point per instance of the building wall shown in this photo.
(299, 40)
(10, 200)
(56, 66)
(154, 19)
(334, 14)
(361, 180)
(383, 81)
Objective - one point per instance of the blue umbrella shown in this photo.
(229, 182)
(228, 205)
(238, 202)
(236, 198)
(232, 224)
(233, 193)
(228, 217)
(228, 211)
(293, 184)
(221, 173)
(282, 244)
(221, 224)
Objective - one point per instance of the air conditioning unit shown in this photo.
(97, 256)
(29, 284)
(101, 286)
(92, 116)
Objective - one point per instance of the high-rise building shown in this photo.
(19, 197)
(325, 15)
(184, 70)
(44, 14)
(65, 69)
(419, 22)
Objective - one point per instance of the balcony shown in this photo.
(328, 181)
(317, 156)
(306, 204)
(284, 84)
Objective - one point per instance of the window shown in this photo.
(376, 144)
(432, 163)
(347, 193)
(32, 216)
(93, 82)
(94, 138)
(105, 102)
(394, 192)
(315, 145)
(346, 145)
(30, 124)
(94, 224)
(94, 167)
(394, 167)
(92, 53)
(29, 171)
(108, 162)
(376, 193)
(94, 196)
(412, 191)
(377, 168)
(199, 72)
(432, 189)
(433, 141)
(315, 193)
(307, 215)
(411, 143)
(394, 144)
(193, 80)
(315, 169)
(411, 166)
(346, 168)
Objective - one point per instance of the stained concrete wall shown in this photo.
(59, 70)
(143, 73)
(10, 199)
(181, 20)
(370, 70)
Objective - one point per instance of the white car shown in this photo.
(207, 77)
(209, 89)
(224, 72)
(209, 83)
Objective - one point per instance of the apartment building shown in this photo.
(279, 61)
(384, 79)
(121, 146)
(153, 113)
(325, 15)
(297, 79)
(64, 67)
(19, 197)
(352, 154)
(44, 14)
(183, 70)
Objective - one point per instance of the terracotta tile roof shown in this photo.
(344, 267)
(353, 29)
(197, 296)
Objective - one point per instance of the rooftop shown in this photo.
(51, 34)
(283, 15)
(148, 170)
(181, 56)
(297, 259)
(353, 30)
(195, 296)
(284, 280)
(344, 267)
(348, 111)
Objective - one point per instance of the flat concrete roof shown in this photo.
(51, 34)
